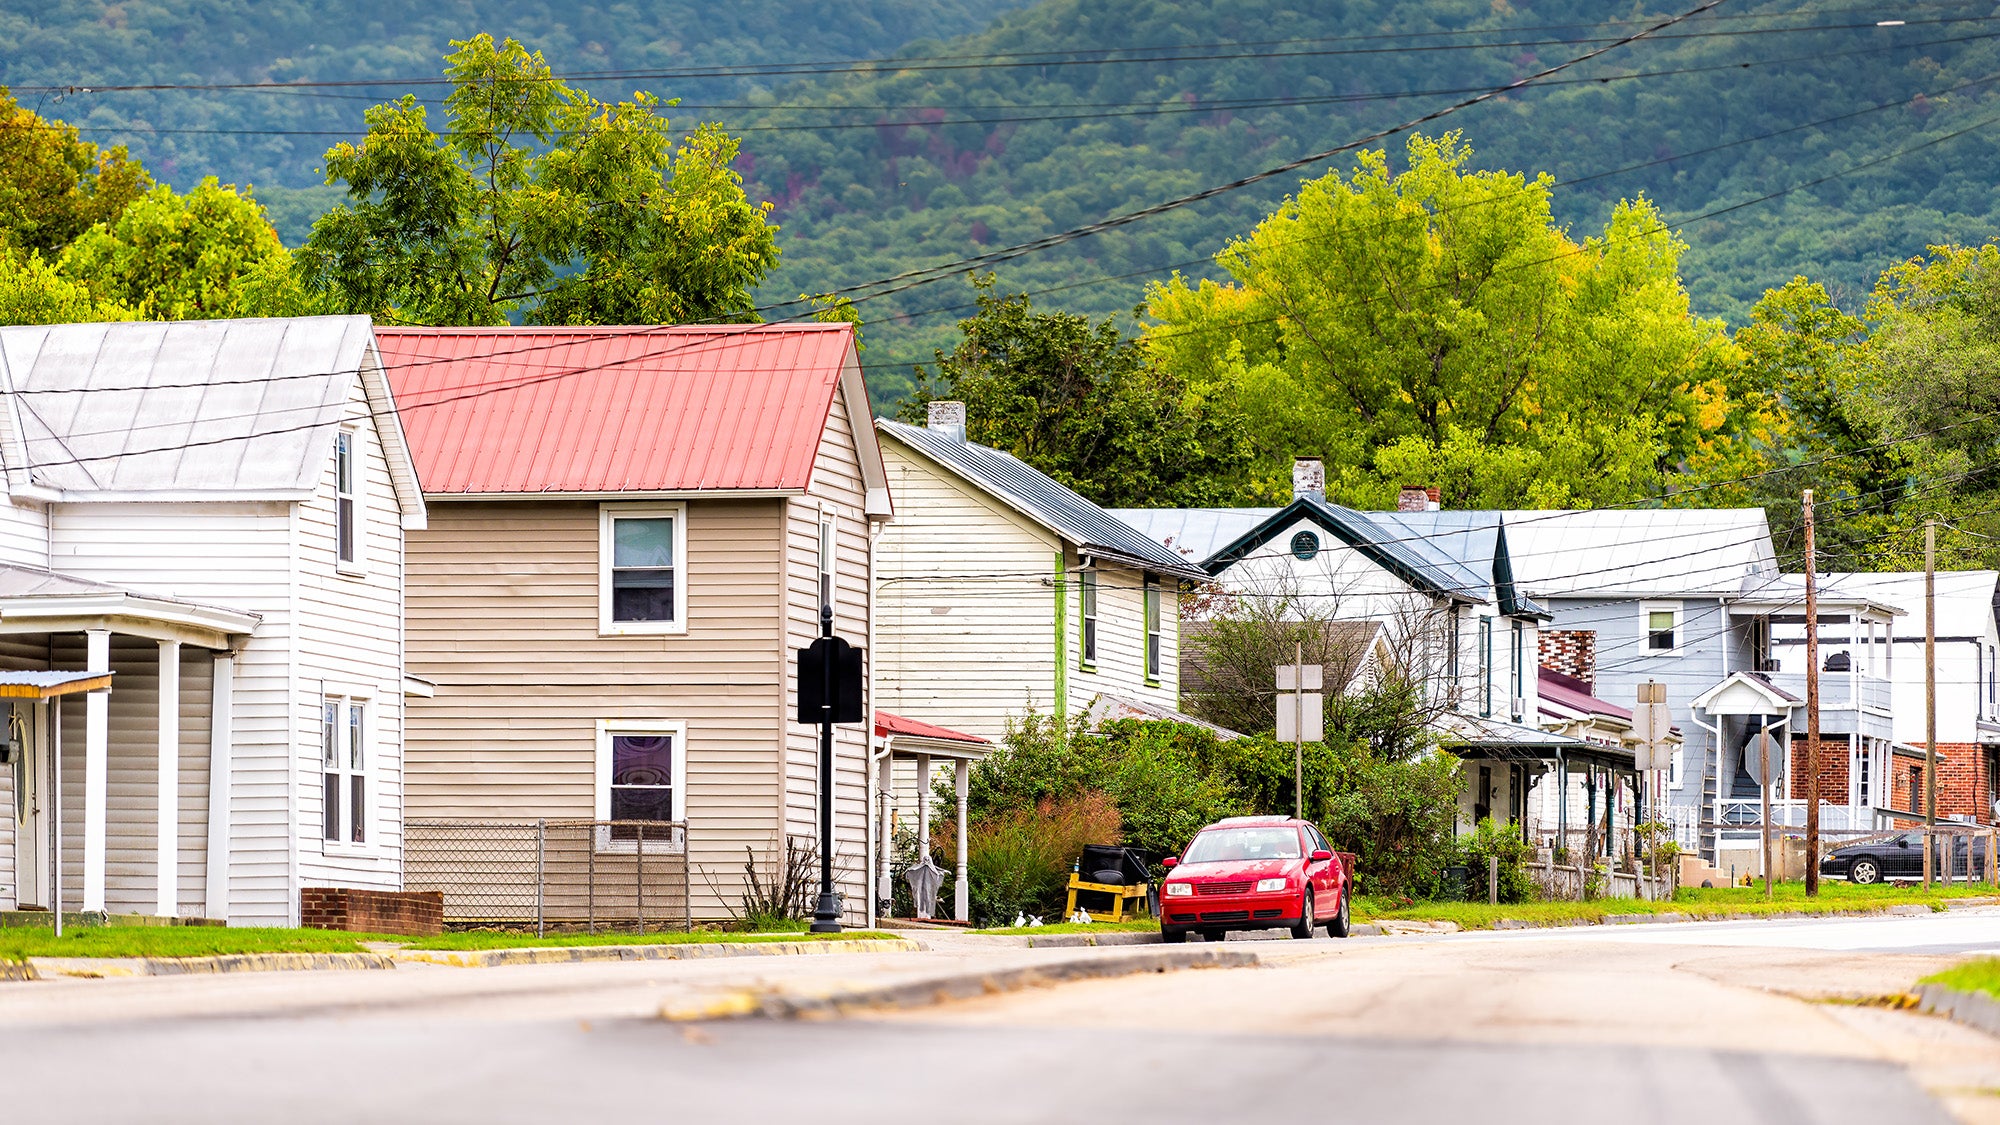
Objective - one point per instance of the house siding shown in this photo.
(24, 534)
(503, 618)
(1120, 668)
(966, 604)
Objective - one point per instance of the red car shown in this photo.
(1254, 873)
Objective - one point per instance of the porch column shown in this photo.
(923, 807)
(961, 895)
(167, 846)
(220, 751)
(96, 750)
(885, 886)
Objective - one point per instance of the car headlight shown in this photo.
(1179, 890)
(1266, 886)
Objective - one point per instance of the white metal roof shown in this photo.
(1965, 598)
(1640, 552)
(217, 408)
(1197, 533)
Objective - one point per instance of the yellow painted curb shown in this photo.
(97, 967)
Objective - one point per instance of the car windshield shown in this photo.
(1228, 845)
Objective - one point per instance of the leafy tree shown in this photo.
(210, 253)
(538, 201)
(1085, 404)
(54, 185)
(33, 292)
(1435, 326)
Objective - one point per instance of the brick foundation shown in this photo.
(416, 913)
(1573, 652)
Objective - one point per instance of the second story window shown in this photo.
(639, 581)
(1663, 627)
(343, 496)
(1152, 629)
(1486, 666)
(1518, 673)
(1086, 582)
(826, 557)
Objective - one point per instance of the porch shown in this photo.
(138, 769)
(921, 745)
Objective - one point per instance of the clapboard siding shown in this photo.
(1120, 668)
(17, 653)
(238, 555)
(24, 534)
(350, 644)
(965, 603)
(837, 489)
(502, 617)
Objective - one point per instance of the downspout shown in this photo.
(870, 777)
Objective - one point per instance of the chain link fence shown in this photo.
(552, 876)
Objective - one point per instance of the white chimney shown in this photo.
(1308, 478)
(1413, 498)
(947, 418)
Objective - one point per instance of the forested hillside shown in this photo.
(1070, 110)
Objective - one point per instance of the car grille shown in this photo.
(1225, 916)
(1269, 913)
(1236, 888)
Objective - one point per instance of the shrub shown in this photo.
(1018, 861)
(1490, 841)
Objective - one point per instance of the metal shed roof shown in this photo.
(1196, 533)
(1402, 551)
(1640, 552)
(215, 408)
(1035, 494)
(500, 411)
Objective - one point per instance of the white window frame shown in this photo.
(610, 728)
(349, 706)
(607, 515)
(1676, 773)
(1087, 593)
(829, 560)
(1646, 612)
(1153, 630)
(1485, 655)
(347, 499)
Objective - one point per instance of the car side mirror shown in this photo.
(1171, 861)
(1321, 856)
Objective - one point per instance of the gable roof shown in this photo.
(1042, 499)
(1408, 555)
(1196, 533)
(666, 409)
(203, 410)
(1476, 539)
(1646, 552)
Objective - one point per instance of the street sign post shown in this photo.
(1653, 726)
(1301, 717)
(832, 689)
(1760, 770)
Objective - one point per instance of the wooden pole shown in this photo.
(1764, 791)
(1930, 700)
(1299, 730)
(1812, 705)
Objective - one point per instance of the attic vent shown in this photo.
(1305, 545)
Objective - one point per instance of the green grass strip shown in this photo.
(18, 943)
(1979, 975)
(1141, 927)
(485, 939)
(1691, 902)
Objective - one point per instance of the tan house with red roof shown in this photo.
(631, 532)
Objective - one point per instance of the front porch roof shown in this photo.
(909, 738)
(42, 601)
(1746, 693)
(1469, 736)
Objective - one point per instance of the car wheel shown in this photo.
(1305, 927)
(1339, 926)
(1172, 936)
(1864, 870)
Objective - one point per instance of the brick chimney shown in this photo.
(1572, 652)
(1413, 498)
(1308, 478)
(1436, 499)
(947, 418)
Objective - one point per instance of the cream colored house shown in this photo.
(632, 532)
(1001, 592)
(214, 513)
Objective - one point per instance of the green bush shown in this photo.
(1019, 861)
(1502, 842)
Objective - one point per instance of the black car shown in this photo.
(1899, 857)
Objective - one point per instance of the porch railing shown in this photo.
(591, 876)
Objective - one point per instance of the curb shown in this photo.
(690, 951)
(1974, 1009)
(939, 989)
(45, 968)
(1905, 910)
(1084, 941)
(17, 970)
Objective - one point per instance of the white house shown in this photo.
(212, 512)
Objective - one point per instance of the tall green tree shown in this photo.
(207, 254)
(55, 185)
(1435, 326)
(538, 201)
(1085, 404)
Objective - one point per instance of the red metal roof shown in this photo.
(1570, 692)
(888, 724)
(651, 409)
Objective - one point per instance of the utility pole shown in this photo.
(1930, 700)
(1812, 706)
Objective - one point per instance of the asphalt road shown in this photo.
(1695, 1023)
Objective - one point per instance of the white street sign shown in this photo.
(1314, 706)
(1652, 723)
(1288, 677)
(1753, 757)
